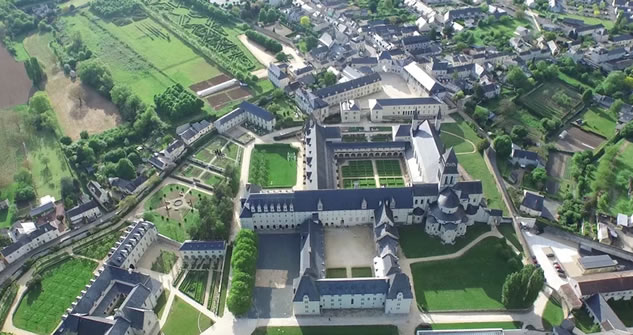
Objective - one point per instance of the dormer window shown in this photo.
(320, 205)
(363, 204)
(292, 208)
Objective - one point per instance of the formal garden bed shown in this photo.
(336, 273)
(44, 303)
(194, 285)
(388, 168)
(363, 272)
(273, 166)
(357, 168)
(391, 182)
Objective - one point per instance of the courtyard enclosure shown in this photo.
(273, 165)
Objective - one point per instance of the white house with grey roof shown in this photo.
(421, 82)
(132, 245)
(84, 212)
(246, 112)
(191, 132)
(404, 109)
(29, 241)
(193, 252)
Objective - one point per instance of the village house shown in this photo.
(246, 112)
(532, 204)
(198, 252)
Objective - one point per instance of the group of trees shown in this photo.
(41, 114)
(24, 189)
(243, 263)
(113, 8)
(517, 78)
(268, 43)
(176, 102)
(544, 71)
(521, 288)
(324, 79)
(617, 85)
(212, 10)
(268, 15)
(34, 71)
(582, 72)
(96, 75)
(503, 146)
(572, 211)
(70, 190)
(13, 21)
(129, 104)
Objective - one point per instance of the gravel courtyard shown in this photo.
(349, 247)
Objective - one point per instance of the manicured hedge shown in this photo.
(243, 264)
(268, 43)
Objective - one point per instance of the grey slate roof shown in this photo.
(11, 248)
(247, 107)
(352, 286)
(129, 242)
(533, 201)
(37, 211)
(604, 314)
(86, 206)
(399, 283)
(203, 245)
(408, 101)
(599, 261)
(348, 85)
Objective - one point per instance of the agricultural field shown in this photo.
(472, 281)
(18, 89)
(553, 99)
(599, 121)
(183, 319)
(194, 285)
(474, 163)
(37, 151)
(43, 305)
(416, 242)
(273, 165)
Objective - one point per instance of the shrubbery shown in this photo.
(112, 8)
(177, 102)
(268, 43)
(243, 264)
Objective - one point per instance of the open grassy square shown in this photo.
(43, 305)
(168, 192)
(329, 330)
(415, 242)
(354, 168)
(176, 225)
(551, 99)
(599, 121)
(273, 165)
(388, 168)
(473, 281)
(183, 319)
(391, 182)
(336, 273)
(232, 151)
(363, 272)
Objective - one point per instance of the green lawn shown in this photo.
(477, 325)
(164, 262)
(590, 20)
(183, 319)
(43, 305)
(362, 272)
(98, 249)
(388, 168)
(585, 322)
(473, 281)
(415, 242)
(599, 120)
(506, 31)
(161, 303)
(362, 168)
(619, 200)
(328, 330)
(155, 200)
(175, 229)
(225, 281)
(474, 163)
(571, 81)
(336, 273)
(391, 182)
(458, 144)
(553, 314)
(362, 182)
(232, 150)
(624, 310)
(273, 165)
(507, 230)
(211, 179)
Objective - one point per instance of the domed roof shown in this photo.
(448, 199)
(418, 211)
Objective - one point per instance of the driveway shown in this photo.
(565, 253)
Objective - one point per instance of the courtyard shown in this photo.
(273, 165)
(277, 267)
(348, 250)
(371, 173)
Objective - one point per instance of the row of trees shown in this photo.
(34, 71)
(522, 286)
(176, 102)
(243, 264)
(268, 43)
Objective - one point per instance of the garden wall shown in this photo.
(589, 244)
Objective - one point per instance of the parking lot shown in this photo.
(277, 267)
(565, 253)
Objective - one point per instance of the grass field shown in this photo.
(600, 121)
(183, 319)
(43, 157)
(620, 202)
(624, 310)
(354, 168)
(506, 31)
(552, 315)
(416, 242)
(477, 325)
(136, 55)
(474, 163)
(211, 179)
(458, 144)
(473, 281)
(362, 182)
(507, 230)
(590, 20)
(362, 272)
(542, 101)
(329, 330)
(273, 165)
(336, 273)
(43, 305)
